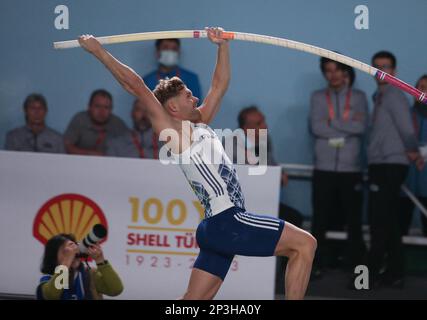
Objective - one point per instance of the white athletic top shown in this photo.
(210, 172)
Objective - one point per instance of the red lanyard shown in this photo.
(136, 139)
(177, 73)
(346, 114)
(102, 133)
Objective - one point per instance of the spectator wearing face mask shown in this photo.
(168, 54)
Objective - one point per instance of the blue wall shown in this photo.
(276, 79)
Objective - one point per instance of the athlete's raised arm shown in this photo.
(220, 79)
(130, 81)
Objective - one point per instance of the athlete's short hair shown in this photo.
(168, 88)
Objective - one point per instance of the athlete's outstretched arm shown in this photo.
(130, 81)
(221, 77)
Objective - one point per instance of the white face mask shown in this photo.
(168, 58)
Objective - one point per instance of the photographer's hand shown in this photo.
(95, 252)
(68, 254)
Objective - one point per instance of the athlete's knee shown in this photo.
(306, 246)
(310, 245)
(295, 241)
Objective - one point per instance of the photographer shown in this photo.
(84, 283)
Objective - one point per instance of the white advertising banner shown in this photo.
(149, 209)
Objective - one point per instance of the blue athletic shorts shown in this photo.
(235, 232)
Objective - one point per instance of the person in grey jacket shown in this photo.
(338, 122)
(35, 136)
(141, 142)
(88, 131)
(392, 146)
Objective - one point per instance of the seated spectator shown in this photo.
(35, 135)
(85, 283)
(88, 130)
(141, 142)
(252, 118)
(167, 54)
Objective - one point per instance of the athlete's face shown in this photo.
(184, 105)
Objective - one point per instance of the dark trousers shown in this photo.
(406, 213)
(291, 215)
(386, 250)
(337, 199)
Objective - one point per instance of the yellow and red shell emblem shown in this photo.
(67, 213)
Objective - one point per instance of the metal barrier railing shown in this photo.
(305, 172)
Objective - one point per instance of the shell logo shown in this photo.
(67, 213)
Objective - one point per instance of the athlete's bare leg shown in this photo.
(299, 246)
(202, 285)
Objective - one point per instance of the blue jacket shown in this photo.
(417, 180)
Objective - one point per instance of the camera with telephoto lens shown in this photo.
(97, 233)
